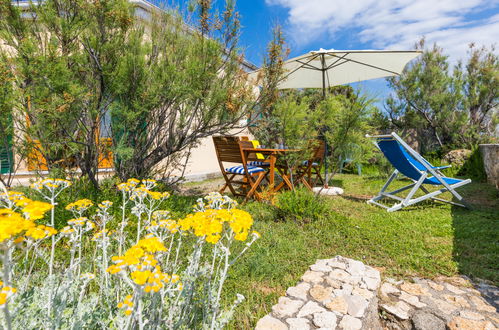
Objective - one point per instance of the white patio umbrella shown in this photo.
(326, 68)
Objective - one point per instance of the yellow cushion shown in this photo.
(255, 145)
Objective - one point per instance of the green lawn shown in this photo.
(427, 240)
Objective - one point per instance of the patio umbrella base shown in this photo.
(331, 191)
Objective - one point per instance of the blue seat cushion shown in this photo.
(434, 181)
(258, 163)
(240, 169)
(305, 163)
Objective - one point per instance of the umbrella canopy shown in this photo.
(326, 68)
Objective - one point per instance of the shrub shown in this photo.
(151, 271)
(301, 206)
(473, 167)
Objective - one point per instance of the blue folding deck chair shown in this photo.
(409, 163)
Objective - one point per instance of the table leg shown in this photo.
(272, 171)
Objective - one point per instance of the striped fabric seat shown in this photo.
(305, 163)
(240, 169)
(258, 163)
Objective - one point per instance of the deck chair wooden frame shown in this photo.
(229, 150)
(413, 166)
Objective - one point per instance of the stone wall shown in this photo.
(342, 293)
(333, 293)
(490, 155)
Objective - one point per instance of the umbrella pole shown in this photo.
(323, 62)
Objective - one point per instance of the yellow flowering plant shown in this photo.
(101, 277)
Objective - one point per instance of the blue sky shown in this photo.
(367, 24)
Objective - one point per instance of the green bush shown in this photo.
(301, 206)
(473, 167)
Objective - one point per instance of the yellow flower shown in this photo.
(210, 223)
(12, 225)
(151, 244)
(80, 205)
(140, 277)
(40, 232)
(6, 293)
(127, 304)
(87, 276)
(101, 234)
(105, 204)
(34, 210)
(78, 222)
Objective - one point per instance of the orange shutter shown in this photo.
(105, 153)
(36, 161)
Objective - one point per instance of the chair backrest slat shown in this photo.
(228, 149)
(319, 150)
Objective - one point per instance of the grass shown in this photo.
(426, 240)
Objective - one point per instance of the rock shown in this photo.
(339, 275)
(482, 305)
(298, 324)
(388, 288)
(354, 279)
(325, 320)
(371, 283)
(357, 305)
(435, 286)
(471, 315)
(300, 291)
(338, 304)
(444, 306)
(333, 263)
(427, 321)
(459, 281)
(320, 293)
(394, 281)
(270, 323)
(310, 307)
(495, 320)
(350, 323)
(400, 310)
(414, 289)
(335, 284)
(459, 323)
(456, 301)
(312, 277)
(355, 268)
(453, 289)
(371, 272)
(457, 157)
(321, 266)
(413, 300)
(347, 289)
(363, 293)
(286, 307)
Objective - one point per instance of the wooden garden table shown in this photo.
(271, 156)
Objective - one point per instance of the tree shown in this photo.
(449, 107)
(161, 83)
(301, 116)
(63, 58)
(175, 87)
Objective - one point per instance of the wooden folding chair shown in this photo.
(229, 150)
(311, 168)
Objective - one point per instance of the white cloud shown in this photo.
(393, 24)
